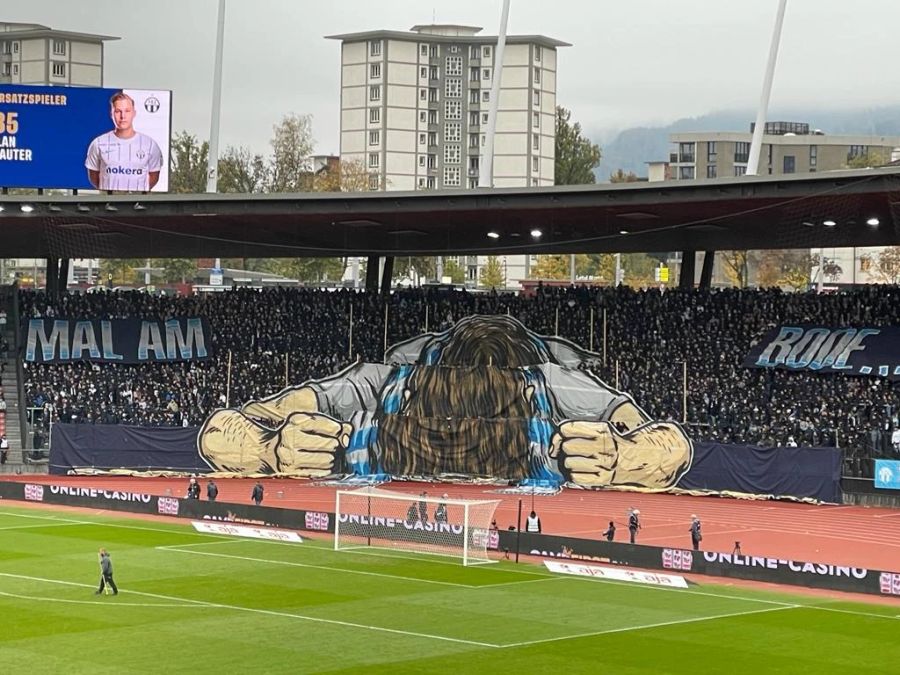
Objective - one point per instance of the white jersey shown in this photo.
(124, 163)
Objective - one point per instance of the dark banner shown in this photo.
(117, 446)
(813, 473)
(117, 340)
(821, 349)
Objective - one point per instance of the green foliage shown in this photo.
(619, 176)
(455, 271)
(292, 144)
(242, 172)
(558, 266)
(308, 270)
(181, 270)
(492, 274)
(120, 271)
(189, 160)
(576, 156)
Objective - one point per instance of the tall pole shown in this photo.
(486, 175)
(762, 111)
(212, 169)
(684, 392)
(350, 342)
(385, 325)
(228, 383)
(572, 269)
(604, 337)
(591, 344)
(287, 368)
(618, 269)
(556, 329)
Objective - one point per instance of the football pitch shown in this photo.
(192, 602)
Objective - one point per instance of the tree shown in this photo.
(242, 172)
(735, 265)
(873, 158)
(791, 268)
(121, 269)
(310, 269)
(887, 266)
(178, 269)
(576, 156)
(348, 176)
(639, 269)
(601, 266)
(559, 266)
(189, 160)
(292, 145)
(619, 176)
(455, 271)
(492, 274)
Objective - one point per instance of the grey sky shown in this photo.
(633, 62)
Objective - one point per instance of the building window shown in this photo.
(375, 92)
(857, 151)
(432, 95)
(430, 183)
(740, 170)
(473, 74)
(711, 171)
(373, 160)
(59, 69)
(423, 138)
(535, 142)
(6, 68)
(432, 138)
(375, 47)
(485, 73)
(474, 95)
(451, 176)
(473, 183)
(535, 165)
(454, 65)
(537, 75)
(374, 115)
(434, 72)
(434, 51)
(813, 155)
(454, 49)
(473, 119)
(15, 47)
(432, 117)
(423, 50)
(373, 181)
(421, 160)
(485, 96)
(535, 182)
(741, 152)
(375, 71)
(423, 94)
(474, 52)
(473, 164)
(432, 161)
(536, 120)
(423, 117)
(374, 137)
(536, 98)
(537, 53)
(686, 152)
(423, 72)
(686, 173)
(5, 47)
(452, 154)
(789, 164)
(453, 87)
(59, 47)
(485, 52)
(473, 140)
(484, 118)
(452, 132)
(15, 69)
(453, 110)
(711, 154)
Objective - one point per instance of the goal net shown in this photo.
(374, 518)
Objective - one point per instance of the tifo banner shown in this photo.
(106, 447)
(813, 473)
(887, 474)
(117, 340)
(85, 138)
(821, 349)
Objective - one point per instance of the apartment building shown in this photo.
(34, 54)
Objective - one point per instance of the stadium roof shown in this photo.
(801, 211)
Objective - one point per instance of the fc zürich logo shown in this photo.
(885, 475)
(151, 104)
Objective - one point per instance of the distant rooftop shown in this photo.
(20, 31)
(446, 29)
(446, 33)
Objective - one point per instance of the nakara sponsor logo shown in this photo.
(114, 495)
(167, 506)
(818, 569)
(34, 493)
(124, 171)
(379, 521)
(316, 520)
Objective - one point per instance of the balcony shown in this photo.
(741, 158)
(686, 159)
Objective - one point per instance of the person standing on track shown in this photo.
(696, 536)
(257, 494)
(212, 490)
(533, 523)
(106, 574)
(610, 533)
(634, 523)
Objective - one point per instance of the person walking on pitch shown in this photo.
(106, 575)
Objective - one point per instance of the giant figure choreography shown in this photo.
(487, 397)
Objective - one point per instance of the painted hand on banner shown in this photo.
(594, 454)
(303, 441)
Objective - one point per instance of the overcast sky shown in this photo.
(634, 62)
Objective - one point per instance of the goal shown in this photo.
(374, 518)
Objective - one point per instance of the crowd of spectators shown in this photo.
(675, 351)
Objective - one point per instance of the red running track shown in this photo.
(840, 535)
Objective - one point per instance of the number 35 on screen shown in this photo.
(9, 122)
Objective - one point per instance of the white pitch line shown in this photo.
(269, 612)
(661, 624)
(35, 527)
(111, 603)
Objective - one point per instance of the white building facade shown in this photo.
(414, 110)
(39, 55)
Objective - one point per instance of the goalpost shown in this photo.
(375, 518)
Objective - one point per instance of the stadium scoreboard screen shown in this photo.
(84, 138)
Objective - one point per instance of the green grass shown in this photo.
(198, 603)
